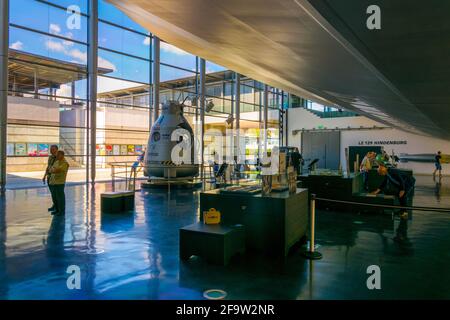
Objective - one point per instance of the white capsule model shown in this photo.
(162, 156)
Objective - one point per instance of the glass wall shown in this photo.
(48, 88)
(47, 75)
(125, 49)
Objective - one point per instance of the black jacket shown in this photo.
(396, 179)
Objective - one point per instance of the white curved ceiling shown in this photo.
(290, 45)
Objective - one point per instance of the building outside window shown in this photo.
(48, 89)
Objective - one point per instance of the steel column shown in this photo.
(156, 77)
(237, 101)
(36, 83)
(266, 113)
(4, 42)
(93, 71)
(202, 113)
(150, 85)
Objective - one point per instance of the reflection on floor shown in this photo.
(135, 256)
(26, 180)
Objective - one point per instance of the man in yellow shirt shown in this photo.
(51, 160)
(57, 182)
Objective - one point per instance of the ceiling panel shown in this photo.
(321, 50)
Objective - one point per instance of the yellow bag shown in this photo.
(212, 216)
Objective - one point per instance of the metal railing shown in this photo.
(126, 172)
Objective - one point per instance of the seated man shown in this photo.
(396, 183)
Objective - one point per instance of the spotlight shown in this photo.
(230, 119)
(194, 101)
(209, 106)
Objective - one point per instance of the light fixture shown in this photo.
(194, 101)
(209, 106)
(230, 119)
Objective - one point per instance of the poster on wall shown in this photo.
(21, 149)
(138, 149)
(130, 149)
(116, 150)
(32, 149)
(101, 150)
(123, 150)
(43, 149)
(10, 149)
(109, 149)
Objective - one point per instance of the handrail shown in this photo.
(130, 182)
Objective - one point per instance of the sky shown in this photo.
(37, 15)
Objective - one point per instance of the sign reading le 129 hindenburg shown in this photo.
(381, 142)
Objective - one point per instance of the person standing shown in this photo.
(438, 165)
(57, 181)
(365, 167)
(297, 159)
(385, 156)
(51, 160)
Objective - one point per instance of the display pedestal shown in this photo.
(273, 223)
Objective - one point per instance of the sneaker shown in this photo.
(404, 215)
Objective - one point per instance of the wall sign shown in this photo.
(382, 142)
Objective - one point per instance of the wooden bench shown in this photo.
(215, 243)
(117, 201)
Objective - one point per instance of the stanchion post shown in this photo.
(312, 253)
(134, 179)
(112, 176)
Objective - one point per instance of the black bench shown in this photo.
(117, 201)
(215, 243)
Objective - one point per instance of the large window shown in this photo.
(48, 88)
(47, 75)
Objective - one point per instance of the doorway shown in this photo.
(324, 146)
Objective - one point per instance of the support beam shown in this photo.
(196, 87)
(260, 120)
(14, 86)
(202, 115)
(4, 42)
(72, 94)
(288, 96)
(93, 70)
(266, 115)
(156, 77)
(36, 83)
(237, 102)
(150, 85)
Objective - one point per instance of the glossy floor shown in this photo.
(135, 256)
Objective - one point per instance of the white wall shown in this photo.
(414, 144)
(29, 109)
(300, 118)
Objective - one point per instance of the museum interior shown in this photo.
(276, 149)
